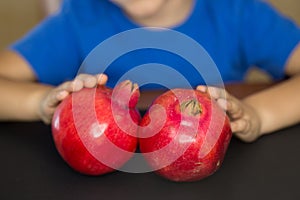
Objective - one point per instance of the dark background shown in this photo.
(31, 168)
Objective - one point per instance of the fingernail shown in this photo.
(100, 78)
(201, 88)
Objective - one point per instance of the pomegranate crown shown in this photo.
(126, 93)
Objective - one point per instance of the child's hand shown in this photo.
(245, 123)
(56, 95)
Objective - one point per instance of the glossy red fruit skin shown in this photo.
(194, 163)
(79, 112)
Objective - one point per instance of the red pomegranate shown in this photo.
(184, 135)
(94, 130)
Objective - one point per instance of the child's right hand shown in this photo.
(244, 120)
(56, 95)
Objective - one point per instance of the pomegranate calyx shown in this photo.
(191, 107)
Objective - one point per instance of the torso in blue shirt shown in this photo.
(236, 34)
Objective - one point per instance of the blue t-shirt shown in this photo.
(237, 34)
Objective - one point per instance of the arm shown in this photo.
(24, 99)
(20, 93)
(278, 107)
(266, 111)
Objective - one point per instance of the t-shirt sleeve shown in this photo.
(51, 49)
(268, 37)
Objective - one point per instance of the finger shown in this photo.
(55, 97)
(223, 103)
(61, 95)
(217, 93)
(61, 92)
(214, 92)
(46, 120)
(87, 80)
(82, 80)
(101, 79)
(71, 86)
(46, 115)
(202, 88)
(239, 126)
(235, 108)
(90, 81)
(247, 137)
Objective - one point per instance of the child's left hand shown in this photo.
(244, 120)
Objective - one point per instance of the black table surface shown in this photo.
(31, 168)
